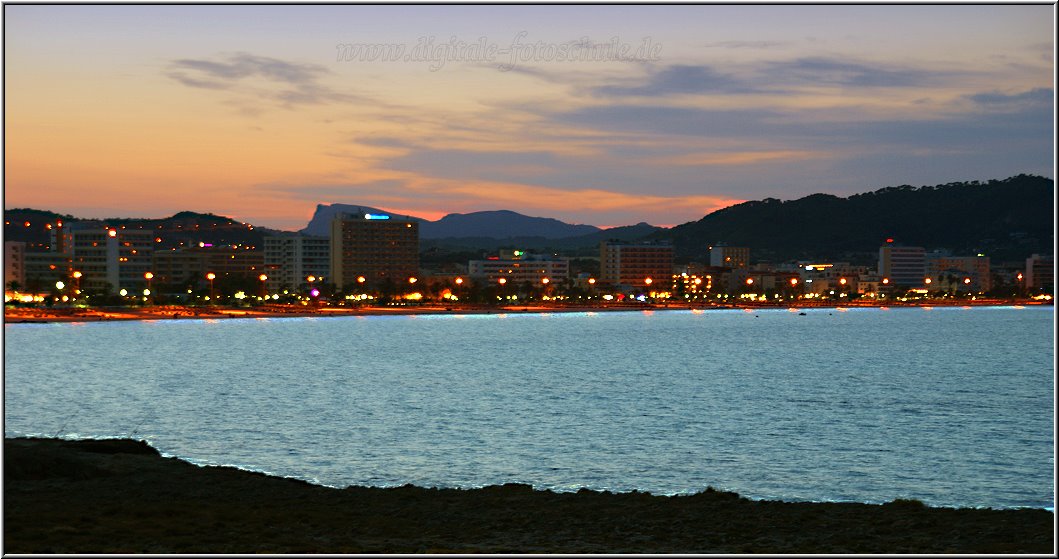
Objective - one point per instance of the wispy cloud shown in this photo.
(1034, 97)
(747, 44)
(288, 83)
(849, 72)
(736, 158)
(680, 79)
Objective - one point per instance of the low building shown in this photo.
(959, 273)
(518, 267)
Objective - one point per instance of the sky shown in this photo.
(603, 115)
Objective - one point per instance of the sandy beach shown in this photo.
(121, 496)
(13, 314)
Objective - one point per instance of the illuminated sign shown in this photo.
(376, 216)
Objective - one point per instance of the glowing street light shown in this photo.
(361, 279)
(59, 285)
(211, 276)
(502, 281)
(545, 281)
(794, 281)
(77, 281)
(263, 279)
(966, 281)
(648, 281)
(592, 281)
(927, 281)
(750, 281)
(459, 281)
(413, 279)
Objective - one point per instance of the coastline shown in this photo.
(122, 496)
(16, 315)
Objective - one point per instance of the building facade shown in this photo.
(737, 258)
(1040, 273)
(634, 264)
(290, 260)
(903, 266)
(520, 269)
(112, 258)
(952, 272)
(378, 248)
(14, 264)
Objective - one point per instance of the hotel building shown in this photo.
(14, 264)
(374, 247)
(1040, 273)
(903, 266)
(290, 259)
(112, 257)
(737, 258)
(633, 264)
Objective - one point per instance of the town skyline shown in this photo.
(261, 112)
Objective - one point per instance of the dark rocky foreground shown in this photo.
(120, 496)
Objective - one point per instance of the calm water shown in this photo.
(951, 406)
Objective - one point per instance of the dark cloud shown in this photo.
(680, 79)
(836, 71)
(293, 83)
(1032, 97)
(488, 165)
(674, 120)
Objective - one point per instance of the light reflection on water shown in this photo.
(953, 406)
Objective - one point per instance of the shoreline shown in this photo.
(17, 315)
(122, 496)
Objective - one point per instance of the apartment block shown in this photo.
(378, 248)
(290, 260)
(634, 264)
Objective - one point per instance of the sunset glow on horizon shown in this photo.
(252, 112)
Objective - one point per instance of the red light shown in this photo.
(889, 240)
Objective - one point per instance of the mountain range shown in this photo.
(1006, 219)
(499, 224)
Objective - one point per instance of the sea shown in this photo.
(953, 406)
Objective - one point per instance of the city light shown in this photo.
(413, 280)
(502, 281)
(648, 281)
(459, 281)
(59, 285)
(112, 233)
(360, 279)
(148, 276)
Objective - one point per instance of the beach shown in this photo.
(122, 496)
(15, 314)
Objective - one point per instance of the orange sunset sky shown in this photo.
(251, 112)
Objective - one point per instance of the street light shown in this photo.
(211, 276)
(263, 279)
(648, 281)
